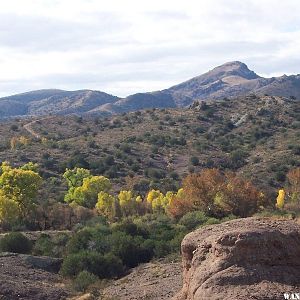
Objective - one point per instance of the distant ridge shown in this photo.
(232, 79)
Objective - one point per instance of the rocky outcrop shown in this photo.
(253, 258)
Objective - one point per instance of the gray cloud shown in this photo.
(39, 34)
(130, 47)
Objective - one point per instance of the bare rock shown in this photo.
(252, 258)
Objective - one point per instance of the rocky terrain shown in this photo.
(253, 258)
(158, 280)
(233, 79)
(31, 278)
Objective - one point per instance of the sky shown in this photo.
(124, 47)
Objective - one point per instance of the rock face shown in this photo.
(253, 258)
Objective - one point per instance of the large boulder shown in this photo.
(252, 258)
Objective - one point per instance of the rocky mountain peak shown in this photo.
(234, 68)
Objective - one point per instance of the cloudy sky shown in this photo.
(123, 47)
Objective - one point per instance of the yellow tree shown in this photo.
(20, 186)
(105, 204)
(9, 210)
(128, 203)
(87, 194)
(154, 199)
(280, 199)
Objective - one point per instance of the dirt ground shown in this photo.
(24, 277)
(20, 280)
(158, 280)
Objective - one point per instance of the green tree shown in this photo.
(84, 188)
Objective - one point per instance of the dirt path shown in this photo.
(30, 130)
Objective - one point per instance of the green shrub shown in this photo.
(212, 221)
(131, 250)
(15, 242)
(194, 161)
(83, 280)
(43, 246)
(104, 266)
(193, 219)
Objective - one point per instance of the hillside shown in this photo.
(229, 80)
(256, 136)
(58, 102)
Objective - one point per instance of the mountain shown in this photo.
(230, 80)
(58, 102)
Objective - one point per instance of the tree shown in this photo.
(9, 210)
(216, 194)
(105, 204)
(156, 200)
(18, 191)
(294, 188)
(84, 188)
(87, 194)
(75, 176)
(280, 199)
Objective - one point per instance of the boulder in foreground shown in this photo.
(252, 258)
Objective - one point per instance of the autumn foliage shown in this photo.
(294, 185)
(217, 194)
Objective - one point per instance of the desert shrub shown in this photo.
(280, 176)
(103, 266)
(237, 158)
(155, 173)
(193, 219)
(194, 161)
(43, 246)
(212, 221)
(83, 280)
(161, 249)
(131, 250)
(130, 228)
(79, 241)
(47, 246)
(15, 242)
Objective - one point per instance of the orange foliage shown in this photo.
(217, 194)
(294, 188)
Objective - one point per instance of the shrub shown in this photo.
(104, 266)
(83, 280)
(194, 161)
(131, 250)
(15, 242)
(193, 219)
(43, 246)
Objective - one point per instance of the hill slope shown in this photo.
(45, 102)
(230, 80)
(157, 148)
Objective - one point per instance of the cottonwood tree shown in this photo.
(18, 191)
